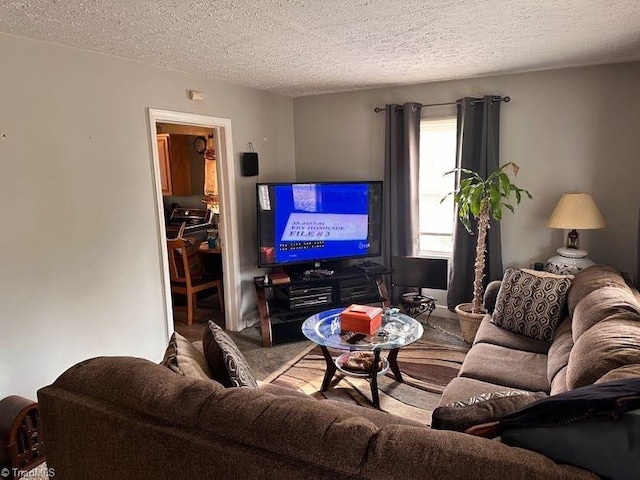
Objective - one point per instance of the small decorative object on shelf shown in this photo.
(361, 318)
(212, 238)
(21, 448)
(279, 278)
(212, 201)
(359, 362)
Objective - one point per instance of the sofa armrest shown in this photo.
(414, 453)
(490, 295)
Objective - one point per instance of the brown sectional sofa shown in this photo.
(121, 417)
(599, 338)
(124, 417)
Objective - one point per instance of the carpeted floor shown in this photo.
(427, 366)
(263, 361)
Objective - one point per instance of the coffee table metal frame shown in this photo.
(397, 331)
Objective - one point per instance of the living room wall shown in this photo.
(569, 130)
(79, 264)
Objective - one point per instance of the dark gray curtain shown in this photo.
(478, 150)
(402, 147)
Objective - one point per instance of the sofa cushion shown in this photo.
(559, 382)
(501, 365)
(377, 417)
(604, 347)
(488, 407)
(558, 355)
(488, 332)
(304, 430)
(435, 454)
(184, 358)
(281, 391)
(606, 303)
(591, 279)
(621, 373)
(228, 365)
(531, 304)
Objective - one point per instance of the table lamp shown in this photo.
(574, 211)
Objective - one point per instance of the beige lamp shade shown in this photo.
(576, 211)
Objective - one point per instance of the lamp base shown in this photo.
(569, 261)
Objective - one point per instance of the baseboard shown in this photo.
(443, 312)
(251, 318)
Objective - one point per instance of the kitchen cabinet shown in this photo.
(165, 166)
(175, 172)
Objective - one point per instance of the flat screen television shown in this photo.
(315, 222)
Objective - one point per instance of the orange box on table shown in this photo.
(361, 319)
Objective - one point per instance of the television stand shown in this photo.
(284, 307)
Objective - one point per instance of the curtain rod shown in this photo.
(480, 100)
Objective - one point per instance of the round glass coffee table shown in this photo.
(396, 331)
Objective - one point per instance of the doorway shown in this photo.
(220, 129)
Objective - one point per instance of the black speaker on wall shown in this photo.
(249, 164)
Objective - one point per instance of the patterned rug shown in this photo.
(427, 366)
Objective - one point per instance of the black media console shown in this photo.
(284, 307)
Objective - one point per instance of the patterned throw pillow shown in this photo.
(531, 304)
(481, 409)
(183, 358)
(228, 365)
(483, 397)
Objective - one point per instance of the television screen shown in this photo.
(312, 222)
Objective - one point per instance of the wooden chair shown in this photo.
(188, 275)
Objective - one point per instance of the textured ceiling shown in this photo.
(302, 47)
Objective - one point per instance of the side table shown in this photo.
(415, 304)
(21, 447)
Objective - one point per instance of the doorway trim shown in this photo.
(229, 212)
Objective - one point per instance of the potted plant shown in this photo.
(483, 200)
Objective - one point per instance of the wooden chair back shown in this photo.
(185, 262)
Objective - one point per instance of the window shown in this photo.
(437, 156)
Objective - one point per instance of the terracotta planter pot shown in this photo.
(469, 322)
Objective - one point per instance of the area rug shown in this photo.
(427, 366)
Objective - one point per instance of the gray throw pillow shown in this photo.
(484, 408)
(228, 365)
(531, 304)
(183, 358)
